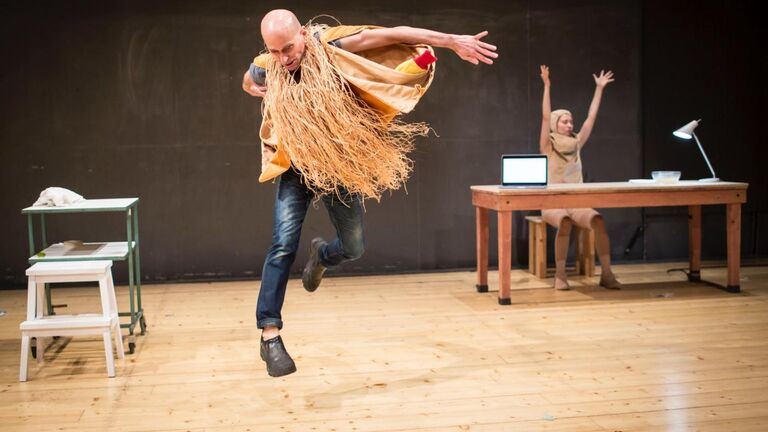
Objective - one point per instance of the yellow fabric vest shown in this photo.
(374, 77)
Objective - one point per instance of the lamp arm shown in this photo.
(704, 154)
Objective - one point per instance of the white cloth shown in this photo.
(57, 197)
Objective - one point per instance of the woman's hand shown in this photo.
(545, 74)
(604, 78)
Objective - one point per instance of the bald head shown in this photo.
(279, 23)
(284, 37)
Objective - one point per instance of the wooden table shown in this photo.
(693, 194)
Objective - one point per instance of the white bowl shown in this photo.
(666, 176)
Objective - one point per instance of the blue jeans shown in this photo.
(291, 204)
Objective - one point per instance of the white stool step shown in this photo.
(68, 268)
(56, 322)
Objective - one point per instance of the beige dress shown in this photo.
(564, 166)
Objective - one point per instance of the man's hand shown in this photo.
(545, 74)
(473, 50)
(604, 78)
(251, 87)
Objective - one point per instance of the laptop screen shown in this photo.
(524, 170)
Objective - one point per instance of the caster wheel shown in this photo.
(131, 347)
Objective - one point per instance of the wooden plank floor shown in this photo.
(420, 352)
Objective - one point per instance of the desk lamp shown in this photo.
(686, 132)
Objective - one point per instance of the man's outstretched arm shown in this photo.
(468, 47)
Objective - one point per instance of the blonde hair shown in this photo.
(330, 135)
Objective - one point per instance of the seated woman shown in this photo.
(563, 147)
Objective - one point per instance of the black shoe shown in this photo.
(279, 362)
(313, 271)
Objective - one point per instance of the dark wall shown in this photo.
(140, 98)
(704, 61)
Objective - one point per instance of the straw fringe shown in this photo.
(332, 137)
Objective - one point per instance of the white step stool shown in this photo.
(39, 326)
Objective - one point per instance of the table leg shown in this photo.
(505, 256)
(541, 251)
(137, 263)
(31, 235)
(481, 232)
(733, 219)
(694, 243)
(43, 234)
(531, 249)
(131, 286)
(44, 240)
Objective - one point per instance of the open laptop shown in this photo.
(524, 171)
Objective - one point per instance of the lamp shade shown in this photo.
(686, 132)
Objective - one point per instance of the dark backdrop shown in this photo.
(143, 98)
(703, 60)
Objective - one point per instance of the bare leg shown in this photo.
(561, 253)
(603, 246)
(270, 332)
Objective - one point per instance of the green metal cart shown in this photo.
(113, 251)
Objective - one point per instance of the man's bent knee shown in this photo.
(353, 251)
(281, 250)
